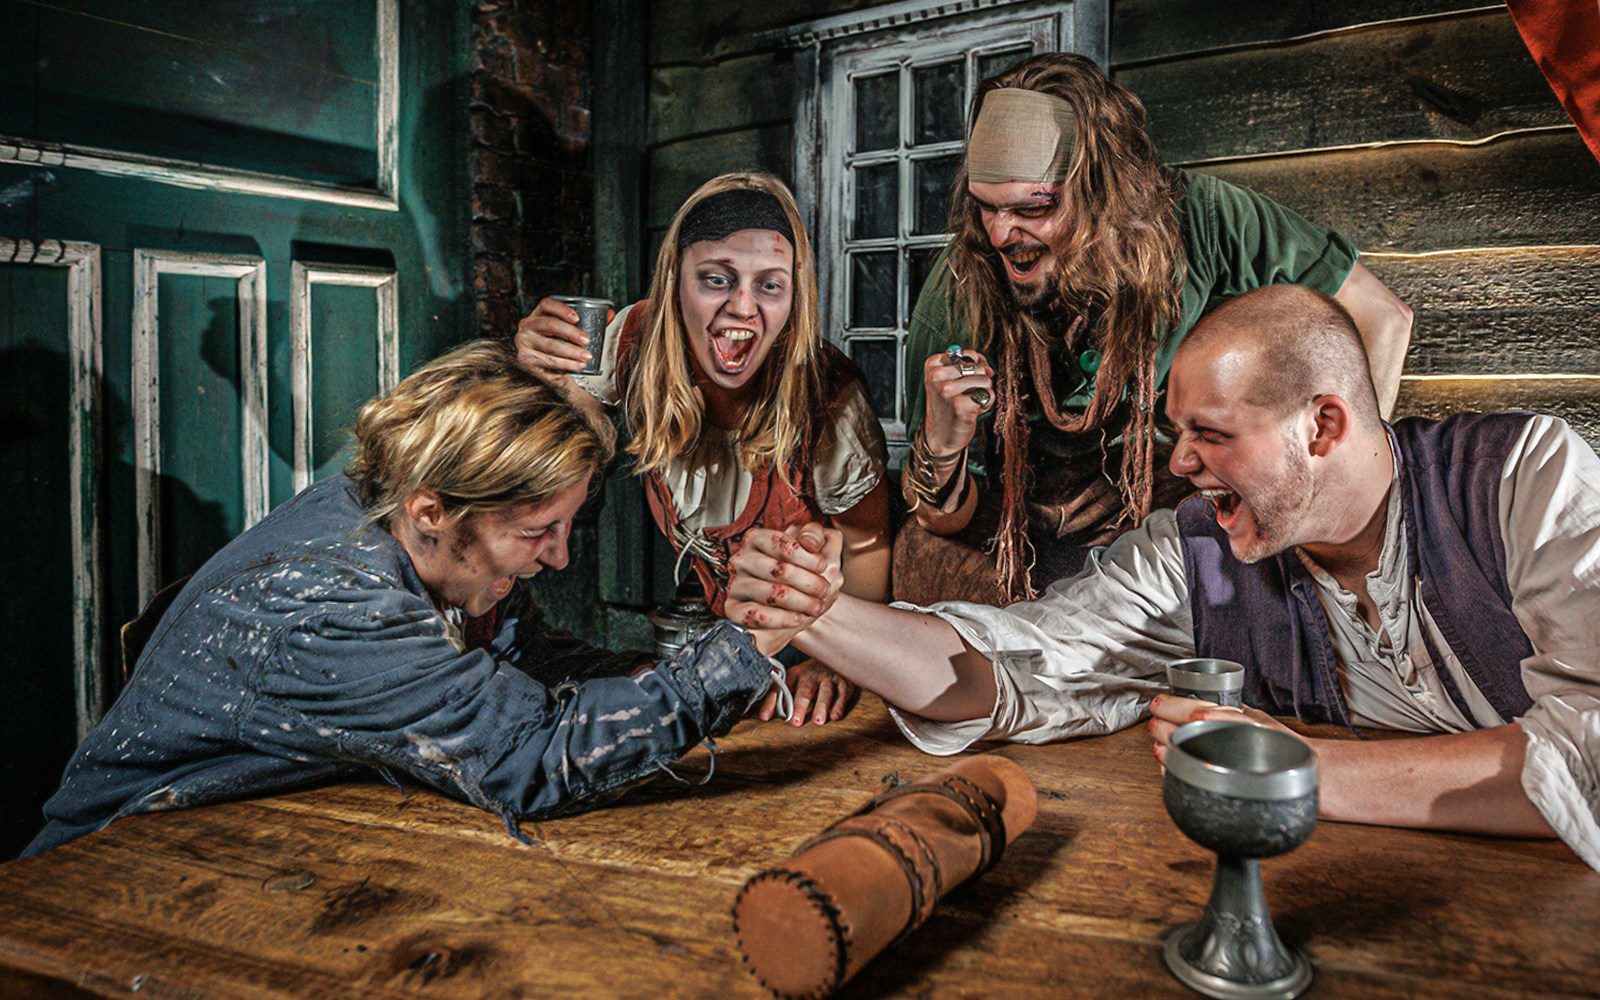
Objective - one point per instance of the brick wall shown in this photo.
(533, 186)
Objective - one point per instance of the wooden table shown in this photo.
(358, 890)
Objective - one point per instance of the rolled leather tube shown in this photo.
(806, 926)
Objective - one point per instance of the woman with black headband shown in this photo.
(742, 416)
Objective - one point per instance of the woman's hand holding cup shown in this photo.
(549, 339)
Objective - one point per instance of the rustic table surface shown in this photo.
(359, 890)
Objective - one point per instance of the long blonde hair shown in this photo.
(1120, 267)
(664, 406)
(477, 429)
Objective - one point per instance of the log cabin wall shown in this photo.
(1421, 128)
(720, 97)
(1424, 130)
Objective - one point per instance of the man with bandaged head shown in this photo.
(1040, 344)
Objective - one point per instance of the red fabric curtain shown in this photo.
(1564, 37)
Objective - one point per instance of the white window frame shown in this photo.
(831, 54)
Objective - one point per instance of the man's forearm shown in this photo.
(1384, 322)
(1468, 782)
(914, 661)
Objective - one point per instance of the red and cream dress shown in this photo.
(706, 500)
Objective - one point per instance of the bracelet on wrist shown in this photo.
(930, 476)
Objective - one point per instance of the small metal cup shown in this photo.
(1216, 681)
(592, 318)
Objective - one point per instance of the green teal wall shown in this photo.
(292, 97)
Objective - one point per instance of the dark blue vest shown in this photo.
(1267, 616)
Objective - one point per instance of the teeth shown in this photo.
(736, 334)
(1223, 501)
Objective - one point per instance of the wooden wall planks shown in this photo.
(1575, 400)
(1156, 29)
(709, 30)
(719, 100)
(1456, 78)
(736, 94)
(678, 168)
(1519, 311)
(1536, 189)
(1423, 127)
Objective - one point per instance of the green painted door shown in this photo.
(222, 227)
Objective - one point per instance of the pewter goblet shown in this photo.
(1217, 681)
(1246, 792)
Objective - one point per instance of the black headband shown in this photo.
(727, 212)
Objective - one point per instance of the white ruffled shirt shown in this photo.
(710, 487)
(1087, 657)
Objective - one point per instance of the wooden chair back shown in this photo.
(137, 633)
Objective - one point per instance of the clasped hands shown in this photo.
(779, 583)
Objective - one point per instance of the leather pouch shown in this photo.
(806, 926)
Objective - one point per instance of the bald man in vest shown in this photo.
(1433, 577)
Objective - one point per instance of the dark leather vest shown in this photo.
(1267, 616)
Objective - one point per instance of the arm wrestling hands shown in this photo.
(1466, 782)
(800, 576)
(917, 662)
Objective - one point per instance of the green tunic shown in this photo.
(1235, 240)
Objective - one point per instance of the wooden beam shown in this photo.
(1462, 78)
(1537, 189)
(1143, 30)
(1499, 311)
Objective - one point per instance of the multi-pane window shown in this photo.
(893, 132)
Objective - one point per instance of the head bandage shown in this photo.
(1020, 135)
(718, 216)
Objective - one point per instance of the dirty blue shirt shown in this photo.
(308, 649)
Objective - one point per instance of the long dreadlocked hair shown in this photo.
(1119, 267)
(665, 407)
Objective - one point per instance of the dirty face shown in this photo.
(479, 559)
(735, 295)
(1250, 462)
(1024, 220)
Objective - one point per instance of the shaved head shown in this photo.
(1296, 344)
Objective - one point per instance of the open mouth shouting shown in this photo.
(732, 348)
(1226, 505)
(1022, 259)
